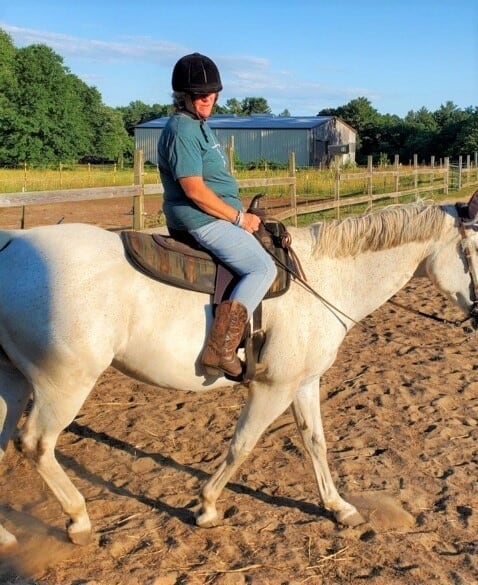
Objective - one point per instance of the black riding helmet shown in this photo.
(196, 74)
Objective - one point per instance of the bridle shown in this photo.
(467, 228)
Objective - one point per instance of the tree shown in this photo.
(233, 106)
(248, 106)
(392, 134)
(138, 112)
(362, 117)
(450, 120)
(42, 102)
(8, 90)
(112, 139)
(48, 115)
(254, 105)
(421, 129)
(466, 141)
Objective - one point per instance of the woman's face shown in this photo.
(203, 104)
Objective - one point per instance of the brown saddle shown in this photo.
(188, 266)
(191, 267)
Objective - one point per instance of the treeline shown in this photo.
(447, 132)
(48, 115)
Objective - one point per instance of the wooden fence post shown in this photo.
(138, 200)
(415, 173)
(446, 175)
(396, 164)
(292, 188)
(337, 191)
(460, 171)
(370, 178)
(230, 155)
(24, 189)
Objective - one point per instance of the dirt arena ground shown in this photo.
(400, 412)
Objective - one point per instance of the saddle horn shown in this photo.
(473, 206)
(254, 204)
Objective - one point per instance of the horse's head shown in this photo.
(454, 266)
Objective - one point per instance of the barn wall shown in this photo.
(267, 144)
(146, 139)
(310, 145)
(333, 132)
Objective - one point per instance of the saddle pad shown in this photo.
(172, 262)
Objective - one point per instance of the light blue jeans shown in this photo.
(244, 255)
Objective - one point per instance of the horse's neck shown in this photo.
(359, 285)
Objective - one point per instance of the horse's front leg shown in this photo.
(306, 408)
(263, 406)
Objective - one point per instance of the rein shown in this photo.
(456, 323)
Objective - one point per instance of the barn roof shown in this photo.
(256, 121)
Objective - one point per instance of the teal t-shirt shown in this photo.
(188, 148)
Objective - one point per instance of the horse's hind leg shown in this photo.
(306, 408)
(53, 410)
(263, 406)
(14, 393)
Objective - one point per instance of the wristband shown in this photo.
(238, 219)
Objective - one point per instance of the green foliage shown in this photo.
(233, 106)
(248, 106)
(8, 90)
(261, 164)
(47, 114)
(448, 132)
(138, 112)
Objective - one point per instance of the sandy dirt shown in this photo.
(400, 409)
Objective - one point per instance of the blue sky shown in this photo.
(303, 56)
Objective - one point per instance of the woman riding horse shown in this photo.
(201, 198)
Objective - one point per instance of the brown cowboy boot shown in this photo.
(226, 333)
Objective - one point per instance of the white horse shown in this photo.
(71, 305)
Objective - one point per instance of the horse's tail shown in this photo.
(6, 236)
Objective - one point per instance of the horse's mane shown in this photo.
(380, 230)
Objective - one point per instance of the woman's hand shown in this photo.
(250, 222)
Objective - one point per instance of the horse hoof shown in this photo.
(81, 537)
(350, 518)
(208, 520)
(7, 542)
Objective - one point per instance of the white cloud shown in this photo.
(131, 49)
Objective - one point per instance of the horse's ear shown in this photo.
(473, 206)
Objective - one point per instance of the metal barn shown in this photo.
(315, 140)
